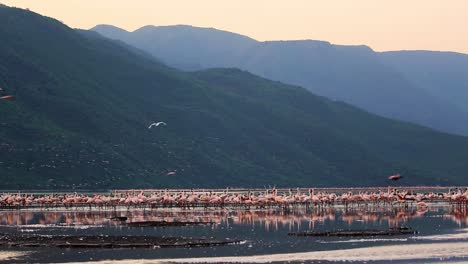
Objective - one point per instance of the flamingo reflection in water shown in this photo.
(458, 215)
(270, 220)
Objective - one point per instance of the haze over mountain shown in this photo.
(83, 106)
(430, 94)
(442, 74)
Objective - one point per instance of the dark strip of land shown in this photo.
(165, 224)
(61, 241)
(357, 233)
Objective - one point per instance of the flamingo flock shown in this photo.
(257, 199)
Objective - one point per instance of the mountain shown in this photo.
(183, 47)
(84, 103)
(353, 74)
(442, 74)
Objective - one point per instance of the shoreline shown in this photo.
(435, 252)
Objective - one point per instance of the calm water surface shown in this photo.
(264, 231)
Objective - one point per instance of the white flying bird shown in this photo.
(156, 124)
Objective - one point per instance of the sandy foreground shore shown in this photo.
(436, 251)
(11, 255)
(439, 251)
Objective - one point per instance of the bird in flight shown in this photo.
(4, 95)
(7, 97)
(157, 124)
(171, 173)
(395, 177)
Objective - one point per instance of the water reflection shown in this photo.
(458, 215)
(265, 231)
(269, 220)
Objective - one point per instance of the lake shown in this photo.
(442, 234)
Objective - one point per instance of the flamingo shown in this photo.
(395, 177)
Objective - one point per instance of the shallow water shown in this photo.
(265, 233)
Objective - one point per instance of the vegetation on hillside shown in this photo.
(83, 106)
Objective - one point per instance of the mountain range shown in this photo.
(84, 103)
(424, 87)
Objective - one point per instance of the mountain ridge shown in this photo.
(83, 106)
(353, 74)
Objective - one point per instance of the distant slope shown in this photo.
(84, 104)
(184, 47)
(353, 74)
(442, 74)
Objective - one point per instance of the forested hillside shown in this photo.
(406, 86)
(84, 103)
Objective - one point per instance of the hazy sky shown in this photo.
(381, 24)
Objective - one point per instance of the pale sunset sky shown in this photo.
(381, 24)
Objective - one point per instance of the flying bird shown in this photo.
(7, 97)
(4, 95)
(395, 177)
(172, 173)
(157, 124)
